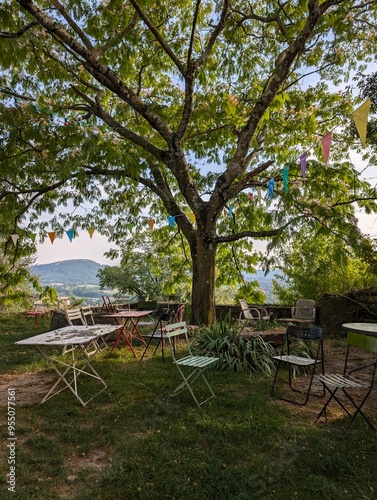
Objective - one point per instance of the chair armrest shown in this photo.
(256, 311)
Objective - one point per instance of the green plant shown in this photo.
(224, 340)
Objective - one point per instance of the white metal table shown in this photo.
(364, 328)
(76, 358)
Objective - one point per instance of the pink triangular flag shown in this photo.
(326, 143)
(251, 196)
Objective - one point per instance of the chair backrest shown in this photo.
(174, 330)
(304, 332)
(180, 313)
(305, 309)
(87, 314)
(75, 315)
(245, 309)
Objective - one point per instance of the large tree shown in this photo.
(183, 107)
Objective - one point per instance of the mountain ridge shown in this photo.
(68, 272)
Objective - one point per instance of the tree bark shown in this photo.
(203, 252)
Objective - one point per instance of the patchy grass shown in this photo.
(136, 442)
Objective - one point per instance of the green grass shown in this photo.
(137, 442)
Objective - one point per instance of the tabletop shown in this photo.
(365, 328)
(128, 313)
(69, 335)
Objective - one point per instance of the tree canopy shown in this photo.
(174, 108)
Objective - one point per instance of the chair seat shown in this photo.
(196, 361)
(296, 360)
(337, 380)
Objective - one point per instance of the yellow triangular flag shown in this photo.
(191, 216)
(360, 117)
(91, 231)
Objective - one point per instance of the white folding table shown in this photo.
(76, 360)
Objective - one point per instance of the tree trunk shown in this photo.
(203, 253)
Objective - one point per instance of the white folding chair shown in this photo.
(193, 365)
(88, 317)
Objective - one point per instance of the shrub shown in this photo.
(235, 353)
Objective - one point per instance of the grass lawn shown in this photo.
(136, 442)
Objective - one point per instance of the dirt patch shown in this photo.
(30, 387)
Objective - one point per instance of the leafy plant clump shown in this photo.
(224, 341)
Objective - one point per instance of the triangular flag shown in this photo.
(130, 226)
(171, 220)
(191, 216)
(251, 196)
(230, 210)
(32, 236)
(70, 233)
(52, 235)
(91, 231)
(151, 223)
(326, 143)
(360, 117)
(111, 228)
(285, 174)
(271, 185)
(14, 238)
(303, 164)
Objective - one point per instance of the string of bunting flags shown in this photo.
(360, 117)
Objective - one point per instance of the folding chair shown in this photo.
(302, 348)
(346, 382)
(159, 334)
(87, 314)
(196, 364)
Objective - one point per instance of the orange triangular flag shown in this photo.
(91, 231)
(151, 223)
(360, 117)
(52, 235)
(14, 238)
(326, 143)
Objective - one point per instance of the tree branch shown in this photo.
(158, 37)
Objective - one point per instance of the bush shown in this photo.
(235, 353)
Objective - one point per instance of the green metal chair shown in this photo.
(190, 367)
(347, 382)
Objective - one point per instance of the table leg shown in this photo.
(76, 372)
(122, 333)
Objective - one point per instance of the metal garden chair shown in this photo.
(251, 315)
(158, 334)
(302, 348)
(190, 367)
(347, 382)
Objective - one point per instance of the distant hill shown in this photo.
(69, 272)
